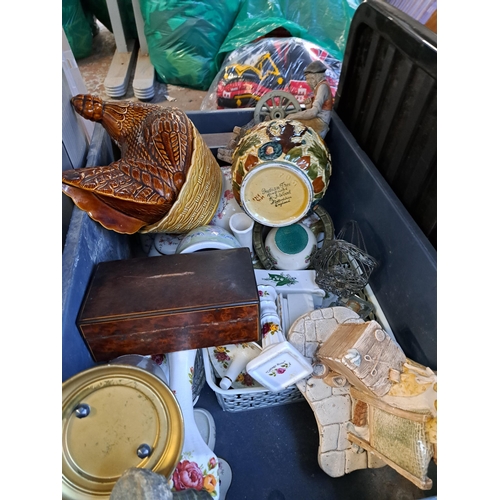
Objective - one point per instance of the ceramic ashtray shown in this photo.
(280, 364)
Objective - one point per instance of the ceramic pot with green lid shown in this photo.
(290, 247)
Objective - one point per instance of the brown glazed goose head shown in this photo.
(140, 188)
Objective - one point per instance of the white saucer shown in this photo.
(206, 425)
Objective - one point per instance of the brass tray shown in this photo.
(115, 417)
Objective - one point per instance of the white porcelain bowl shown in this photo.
(206, 238)
(290, 247)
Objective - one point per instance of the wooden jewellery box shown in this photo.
(170, 303)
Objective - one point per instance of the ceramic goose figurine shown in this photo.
(159, 147)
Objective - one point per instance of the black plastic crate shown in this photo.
(387, 98)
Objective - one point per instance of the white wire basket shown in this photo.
(247, 398)
(250, 398)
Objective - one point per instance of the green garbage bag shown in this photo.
(323, 22)
(77, 28)
(99, 9)
(184, 38)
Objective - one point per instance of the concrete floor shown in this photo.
(94, 70)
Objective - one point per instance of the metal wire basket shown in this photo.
(344, 267)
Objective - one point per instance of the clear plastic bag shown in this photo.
(265, 65)
(323, 22)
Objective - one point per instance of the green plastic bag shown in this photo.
(323, 22)
(184, 38)
(99, 9)
(77, 28)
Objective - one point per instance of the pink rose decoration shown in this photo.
(212, 463)
(279, 371)
(266, 328)
(248, 380)
(187, 475)
(221, 356)
(158, 358)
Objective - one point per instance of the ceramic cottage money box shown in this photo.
(280, 168)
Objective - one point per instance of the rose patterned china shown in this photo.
(198, 466)
(280, 169)
(226, 477)
(228, 206)
(221, 358)
(243, 354)
(280, 364)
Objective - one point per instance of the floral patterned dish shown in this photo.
(228, 205)
(221, 358)
(279, 365)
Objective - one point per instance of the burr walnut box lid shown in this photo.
(170, 303)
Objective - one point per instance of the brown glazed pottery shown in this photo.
(167, 179)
